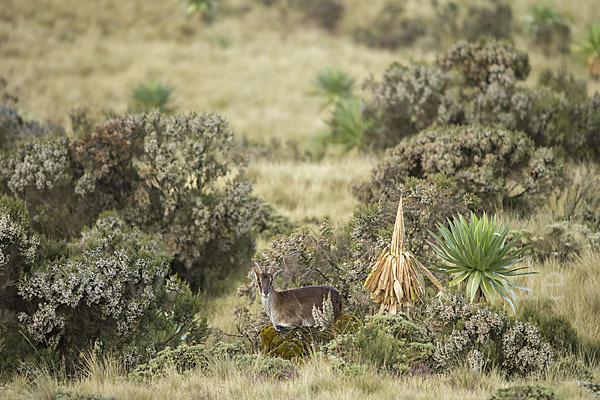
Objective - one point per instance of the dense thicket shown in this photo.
(479, 83)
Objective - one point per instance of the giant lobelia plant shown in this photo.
(396, 279)
(481, 254)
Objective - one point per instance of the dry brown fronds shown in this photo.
(396, 279)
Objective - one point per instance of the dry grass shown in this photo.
(305, 191)
(314, 380)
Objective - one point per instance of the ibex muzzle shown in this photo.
(293, 308)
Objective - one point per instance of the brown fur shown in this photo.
(293, 308)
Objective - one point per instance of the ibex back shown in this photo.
(293, 308)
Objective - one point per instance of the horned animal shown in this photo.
(293, 308)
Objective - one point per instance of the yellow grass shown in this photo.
(305, 191)
(315, 380)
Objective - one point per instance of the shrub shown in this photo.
(479, 254)
(14, 129)
(391, 343)
(485, 339)
(150, 95)
(40, 173)
(325, 13)
(477, 83)
(174, 176)
(475, 19)
(390, 29)
(564, 82)
(180, 359)
(548, 29)
(524, 392)
(110, 291)
(562, 240)
(493, 163)
(406, 100)
(588, 48)
(18, 250)
(555, 329)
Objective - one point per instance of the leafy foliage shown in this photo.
(393, 343)
(347, 124)
(478, 254)
(494, 164)
(588, 47)
(548, 29)
(333, 86)
(150, 95)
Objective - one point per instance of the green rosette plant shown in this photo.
(480, 253)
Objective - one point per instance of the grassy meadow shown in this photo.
(256, 64)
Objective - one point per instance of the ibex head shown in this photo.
(264, 278)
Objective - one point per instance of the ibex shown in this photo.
(293, 308)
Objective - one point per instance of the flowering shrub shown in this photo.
(493, 163)
(14, 129)
(486, 339)
(111, 291)
(478, 83)
(171, 176)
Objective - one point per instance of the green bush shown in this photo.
(548, 29)
(494, 164)
(524, 392)
(485, 339)
(180, 359)
(392, 343)
(110, 291)
(333, 86)
(150, 95)
(555, 329)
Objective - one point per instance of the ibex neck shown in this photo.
(267, 301)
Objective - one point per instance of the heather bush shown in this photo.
(394, 343)
(562, 240)
(18, 250)
(494, 164)
(472, 20)
(524, 392)
(325, 13)
(180, 359)
(478, 83)
(112, 291)
(177, 177)
(14, 129)
(485, 339)
(408, 99)
(391, 29)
